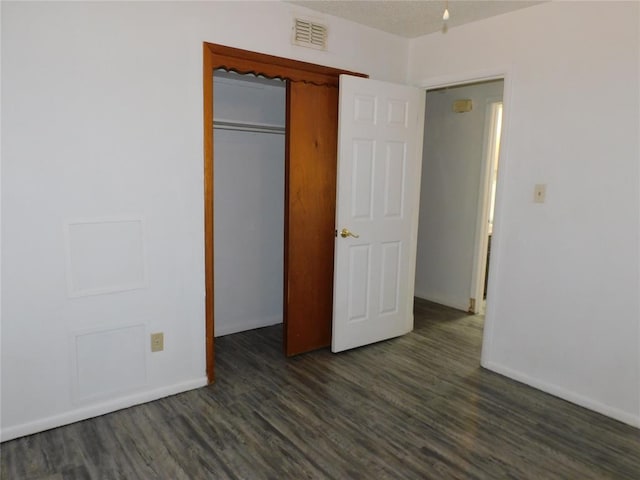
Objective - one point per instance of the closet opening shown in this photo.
(249, 127)
(310, 161)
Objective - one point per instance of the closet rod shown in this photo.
(248, 127)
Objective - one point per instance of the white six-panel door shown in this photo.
(378, 193)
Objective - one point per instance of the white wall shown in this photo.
(563, 312)
(102, 119)
(249, 206)
(452, 158)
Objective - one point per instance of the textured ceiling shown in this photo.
(413, 18)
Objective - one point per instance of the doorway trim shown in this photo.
(463, 78)
(240, 61)
(489, 163)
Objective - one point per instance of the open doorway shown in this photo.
(459, 177)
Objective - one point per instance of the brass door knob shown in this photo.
(344, 233)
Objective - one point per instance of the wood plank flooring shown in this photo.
(416, 407)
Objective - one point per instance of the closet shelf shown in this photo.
(220, 124)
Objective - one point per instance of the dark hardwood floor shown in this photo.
(416, 407)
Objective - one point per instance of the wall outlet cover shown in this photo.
(539, 193)
(157, 342)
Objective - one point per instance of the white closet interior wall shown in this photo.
(249, 154)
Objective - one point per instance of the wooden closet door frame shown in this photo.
(244, 62)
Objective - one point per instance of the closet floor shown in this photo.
(416, 407)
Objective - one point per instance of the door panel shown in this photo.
(378, 187)
(310, 193)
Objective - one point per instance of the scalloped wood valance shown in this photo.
(244, 61)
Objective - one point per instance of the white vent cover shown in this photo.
(309, 34)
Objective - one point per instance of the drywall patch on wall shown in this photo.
(104, 255)
(98, 372)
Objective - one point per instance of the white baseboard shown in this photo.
(555, 390)
(98, 409)
(222, 329)
(457, 303)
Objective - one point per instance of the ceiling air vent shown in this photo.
(309, 34)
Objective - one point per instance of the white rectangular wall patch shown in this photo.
(104, 256)
(108, 361)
